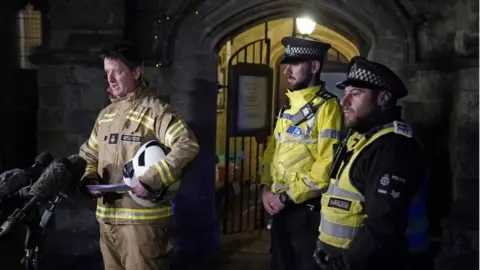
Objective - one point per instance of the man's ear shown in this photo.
(384, 98)
(316, 66)
(137, 72)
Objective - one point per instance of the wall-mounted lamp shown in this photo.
(305, 25)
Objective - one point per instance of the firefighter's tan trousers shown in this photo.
(134, 247)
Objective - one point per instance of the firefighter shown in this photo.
(299, 155)
(133, 236)
(380, 168)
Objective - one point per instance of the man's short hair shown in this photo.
(124, 51)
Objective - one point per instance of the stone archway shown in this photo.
(376, 29)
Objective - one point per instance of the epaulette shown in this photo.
(324, 94)
(402, 129)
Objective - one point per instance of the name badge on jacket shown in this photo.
(295, 131)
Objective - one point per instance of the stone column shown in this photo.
(427, 108)
(196, 230)
(449, 42)
(71, 94)
(460, 228)
(13, 107)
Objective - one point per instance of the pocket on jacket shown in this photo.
(296, 159)
(137, 118)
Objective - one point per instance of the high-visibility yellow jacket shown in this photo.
(343, 212)
(298, 158)
(119, 131)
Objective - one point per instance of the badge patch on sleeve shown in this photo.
(339, 204)
(113, 138)
(390, 185)
(130, 138)
(395, 194)
(385, 180)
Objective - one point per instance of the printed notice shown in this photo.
(252, 101)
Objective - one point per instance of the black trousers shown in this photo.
(294, 235)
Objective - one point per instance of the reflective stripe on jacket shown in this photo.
(119, 131)
(297, 158)
(342, 213)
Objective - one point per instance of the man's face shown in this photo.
(299, 75)
(121, 79)
(357, 104)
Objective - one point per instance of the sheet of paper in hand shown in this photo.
(110, 188)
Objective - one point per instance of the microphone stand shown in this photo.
(36, 233)
(33, 239)
(36, 226)
(52, 205)
(30, 217)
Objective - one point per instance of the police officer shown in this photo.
(133, 236)
(299, 155)
(376, 173)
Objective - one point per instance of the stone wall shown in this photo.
(460, 227)
(447, 72)
(70, 98)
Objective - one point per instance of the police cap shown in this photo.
(125, 51)
(300, 50)
(364, 73)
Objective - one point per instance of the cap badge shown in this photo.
(287, 49)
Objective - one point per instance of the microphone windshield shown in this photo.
(77, 170)
(44, 159)
(78, 167)
(11, 181)
(55, 178)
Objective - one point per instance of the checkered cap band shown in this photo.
(302, 51)
(368, 76)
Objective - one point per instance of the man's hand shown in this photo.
(267, 196)
(271, 202)
(95, 193)
(140, 191)
(88, 192)
(276, 204)
(321, 258)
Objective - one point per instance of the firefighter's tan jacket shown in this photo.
(298, 158)
(119, 131)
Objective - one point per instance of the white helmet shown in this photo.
(149, 153)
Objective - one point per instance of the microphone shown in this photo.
(41, 162)
(77, 169)
(53, 180)
(13, 180)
